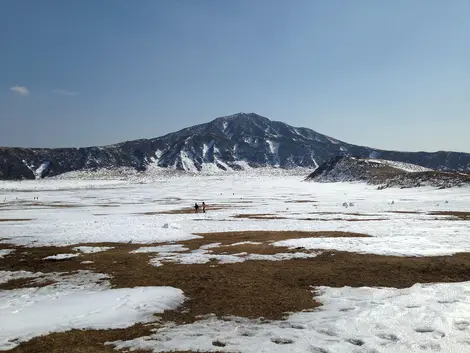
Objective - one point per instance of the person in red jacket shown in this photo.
(203, 207)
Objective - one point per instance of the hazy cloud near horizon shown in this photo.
(390, 75)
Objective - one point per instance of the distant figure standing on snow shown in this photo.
(196, 207)
(203, 207)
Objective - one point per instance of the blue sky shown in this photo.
(387, 74)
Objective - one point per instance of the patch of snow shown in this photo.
(332, 140)
(87, 262)
(388, 246)
(210, 246)
(60, 257)
(80, 301)
(424, 317)
(274, 150)
(246, 242)
(205, 150)
(281, 256)
(188, 161)
(6, 276)
(92, 249)
(407, 167)
(5, 252)
(37, 172)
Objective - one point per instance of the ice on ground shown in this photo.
(92, 249)
(391, 246)
(5, 252)
(60, 257)
(79, 301)
(424, 317)
(6, 276)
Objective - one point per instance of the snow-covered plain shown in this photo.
(433, 317)
(118, 211)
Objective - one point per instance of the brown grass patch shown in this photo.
(405, 212)
(53, 205)
(343, 219)
(301, 201)
(258, 216)
(454, 214)
(346, 213)
(82, 341)
(15, 219)
(25, 283)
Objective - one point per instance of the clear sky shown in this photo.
(387, 74)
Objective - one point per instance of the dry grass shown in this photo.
(344, 219)
(25, 283)
(453, 214)
(258, 216)
(301, 201)
(82, 341)
(15, 219)
(405, 212)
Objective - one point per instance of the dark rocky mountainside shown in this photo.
(229, 143)
(385, 173)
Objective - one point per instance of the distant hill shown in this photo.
(385, 173)
(228, 143)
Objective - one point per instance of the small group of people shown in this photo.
(203, 206)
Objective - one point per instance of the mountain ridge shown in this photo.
(228, 143)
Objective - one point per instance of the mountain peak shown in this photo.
(243, 116)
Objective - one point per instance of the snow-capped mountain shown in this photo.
(228, 143)
(385, 173)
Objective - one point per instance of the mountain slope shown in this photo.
(231, 142)
(385, 173)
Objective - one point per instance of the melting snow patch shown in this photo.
(391, 246)
(60, 257)
(78, 302)
(5, 252)
(281, 256)
(203, 255)
(375, 319)
(92, 249)
(6, 276)
(247, 243)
